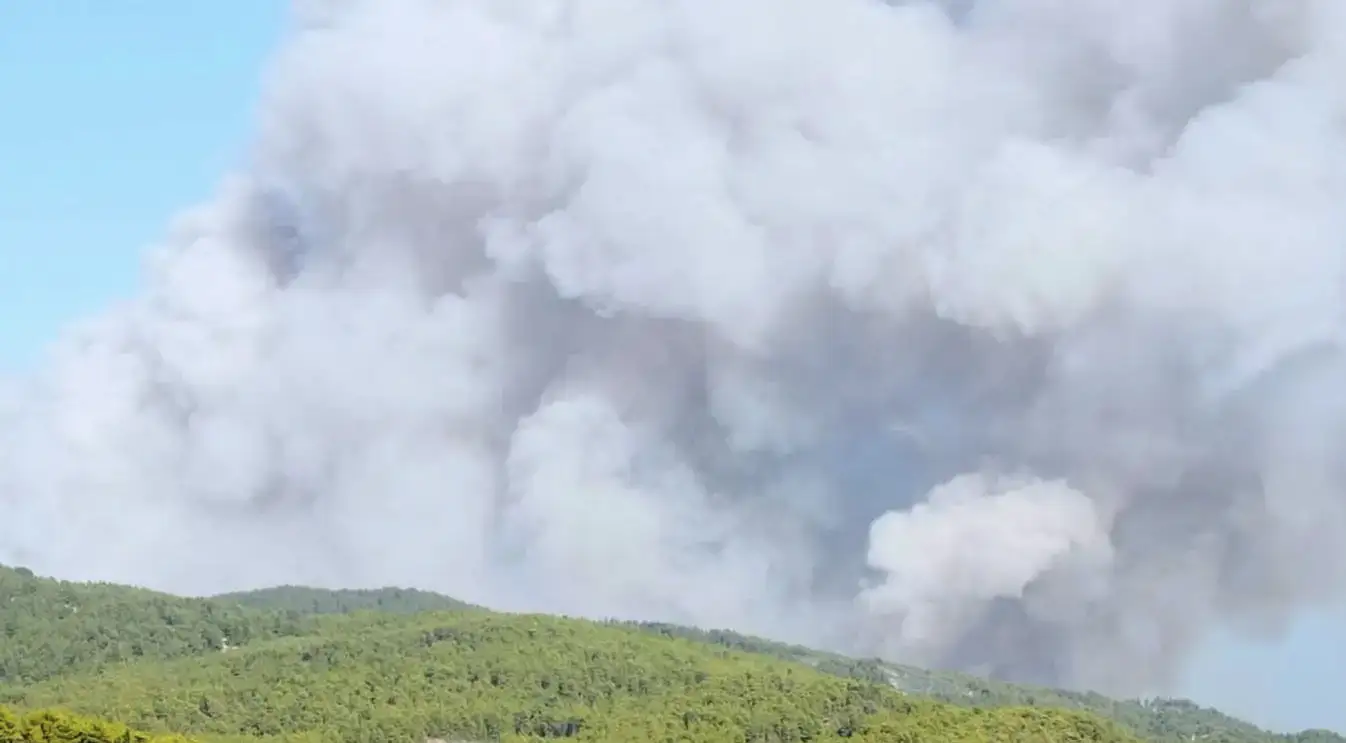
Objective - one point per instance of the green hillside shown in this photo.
(1154, 719)
(52, 627)
(303, 600)
(484, 676)
(395, 665)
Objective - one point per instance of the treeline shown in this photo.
(318, 601)
(49, 628)
(375, 666)
(1165, 720)
(483, 676)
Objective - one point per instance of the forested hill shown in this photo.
(1155, 719)
(296, 663)
(305, 600)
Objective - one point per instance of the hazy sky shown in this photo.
(119, 114)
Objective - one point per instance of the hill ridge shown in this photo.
(78, 633)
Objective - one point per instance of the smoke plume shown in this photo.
(1003, 336)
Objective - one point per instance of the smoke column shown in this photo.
(1000, 335)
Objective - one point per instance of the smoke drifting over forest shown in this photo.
(1000, 335)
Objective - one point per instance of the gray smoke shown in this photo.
(1001, 335)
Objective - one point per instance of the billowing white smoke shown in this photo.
(945, 558)
(1001, 335)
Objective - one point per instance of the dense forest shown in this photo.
(312, 601)
(58, 727)
(295, 663)
(1154, 719)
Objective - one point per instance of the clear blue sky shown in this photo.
(117, 113)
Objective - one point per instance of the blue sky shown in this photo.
(115, 115)
(118, 114)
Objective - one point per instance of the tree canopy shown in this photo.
(303, 664)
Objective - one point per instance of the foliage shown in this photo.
(1155, 719)
(50, 627)
(50, 726)
(481, 675)
(317, 601)
(293, 663)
